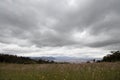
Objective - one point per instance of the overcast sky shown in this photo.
(74, 28)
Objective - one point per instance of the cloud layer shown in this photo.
(60, 23)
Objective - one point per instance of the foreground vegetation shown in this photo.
(23, 68)
(90, 71)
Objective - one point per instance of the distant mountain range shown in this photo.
(65, 59)
(43, 58)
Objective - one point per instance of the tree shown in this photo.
(6, 58)
(115, 56)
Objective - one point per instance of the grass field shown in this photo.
(93, 71)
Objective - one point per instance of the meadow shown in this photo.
(85, 71)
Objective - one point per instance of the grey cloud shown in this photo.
(109, 42)
(28, 20)
(15, 20)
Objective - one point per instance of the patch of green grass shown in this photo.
(94, 71)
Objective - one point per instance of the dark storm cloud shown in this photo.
(52, 23)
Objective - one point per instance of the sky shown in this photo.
(73, 28)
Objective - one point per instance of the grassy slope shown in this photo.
(95, 71)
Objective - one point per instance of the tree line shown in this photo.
(115, 56)
(6, 58)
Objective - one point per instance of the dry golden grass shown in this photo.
(93, 71)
